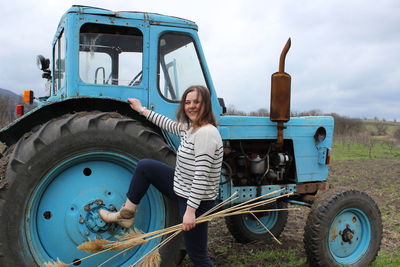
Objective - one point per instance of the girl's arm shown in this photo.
(158, 119)
(208, 152)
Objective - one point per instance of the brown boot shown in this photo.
(124, 217)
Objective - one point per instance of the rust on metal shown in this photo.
(283, 56)
(334, 234)
(280, 96)
(310, 188)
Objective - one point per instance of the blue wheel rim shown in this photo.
(349, 236)
(252, 224)
(56, 220)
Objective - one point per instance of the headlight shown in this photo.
(320, 135)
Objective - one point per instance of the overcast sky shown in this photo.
(345, 55)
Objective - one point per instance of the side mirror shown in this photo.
(42, 62)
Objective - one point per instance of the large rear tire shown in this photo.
(245, 228)
(344, 228)
(60, 175)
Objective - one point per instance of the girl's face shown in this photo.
(193, 106)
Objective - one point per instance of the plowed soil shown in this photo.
(380, 178)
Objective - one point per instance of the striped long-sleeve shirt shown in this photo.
(198, 162)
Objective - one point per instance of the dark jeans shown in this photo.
(161, 176)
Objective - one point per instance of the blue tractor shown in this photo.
(76, 151)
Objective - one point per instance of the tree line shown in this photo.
(344, 126)
(7, 109)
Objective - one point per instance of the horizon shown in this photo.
(319, 112)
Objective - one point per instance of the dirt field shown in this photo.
(380, 178)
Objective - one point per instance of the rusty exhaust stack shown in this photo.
(280, 96)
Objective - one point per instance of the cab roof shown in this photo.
(152, 18)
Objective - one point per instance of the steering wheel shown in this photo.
(136, 80)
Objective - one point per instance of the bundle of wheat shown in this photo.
(57, 263)
(152, 258)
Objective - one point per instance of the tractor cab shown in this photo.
(100, 53)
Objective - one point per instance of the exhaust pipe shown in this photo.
(280, 96)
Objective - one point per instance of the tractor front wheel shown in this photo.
(344, 228)
(62, 173)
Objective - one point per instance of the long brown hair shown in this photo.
(206, 115)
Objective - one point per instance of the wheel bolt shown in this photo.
(81, 220)
(111, 231)
(86, 233)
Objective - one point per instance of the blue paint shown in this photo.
(354, 220)
(246, 193)
(57, 221)
(269, 220)
(299, 129)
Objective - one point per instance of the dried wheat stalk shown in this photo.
(92, 246)
(58, 263)
(152, 260)
(135, 238)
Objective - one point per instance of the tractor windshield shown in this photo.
(110, 55)
(179, 65)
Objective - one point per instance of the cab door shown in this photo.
(175, 64)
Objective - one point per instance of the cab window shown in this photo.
(59, 63)
(110, 55)
(179, 65)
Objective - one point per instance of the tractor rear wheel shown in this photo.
(344, 228)
(62, 173)
(245, 228)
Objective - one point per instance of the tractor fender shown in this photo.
(10, 134)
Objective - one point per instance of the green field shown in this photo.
(370, 143)
(371, 125)
(356, 151)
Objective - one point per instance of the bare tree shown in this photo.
(396, 134)
(231, 110)
(6, 113)
(262, 112)
(381, 128)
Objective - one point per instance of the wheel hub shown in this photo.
(92, 219)
(347, 234)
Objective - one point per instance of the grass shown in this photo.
(356, 151)
(371, 125)
(259, 258)
(385, 259)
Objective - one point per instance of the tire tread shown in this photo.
(67, 125)
(316, 221)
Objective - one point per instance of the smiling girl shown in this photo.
(194, 182)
